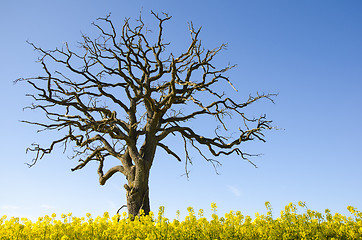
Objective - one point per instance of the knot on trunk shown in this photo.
(127, 188)
(131, 190)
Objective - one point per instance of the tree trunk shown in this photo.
(137, 187)
(138, 191)
(137, 199)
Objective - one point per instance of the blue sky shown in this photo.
(310, 52)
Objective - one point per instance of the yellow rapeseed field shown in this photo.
(234, 225)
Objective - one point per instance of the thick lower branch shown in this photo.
(109, 173)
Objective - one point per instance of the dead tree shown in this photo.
(121, 95)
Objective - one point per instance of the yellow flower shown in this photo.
(302, 204)
(351, 209)
(106, 215)
(213, 206)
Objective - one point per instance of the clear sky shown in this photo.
(310, 52)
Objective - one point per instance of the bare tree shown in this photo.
(121, 94)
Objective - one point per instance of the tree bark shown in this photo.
(138, 191)
(138, 199)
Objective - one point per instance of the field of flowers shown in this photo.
(234, 225)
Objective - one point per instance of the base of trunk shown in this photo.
(138, 199)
